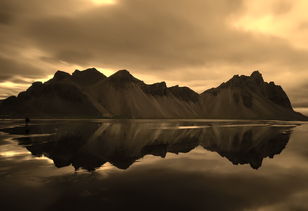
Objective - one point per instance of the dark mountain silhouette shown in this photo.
(88, 145)
(89, 93)
(62, 95)
(87, 77)
(248, 96)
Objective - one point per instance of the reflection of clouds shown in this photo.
(183, 127)
(44, 159)
(9, 154)
(10, 150)
(198, 180)
(297, 201)
(167, 185)
(207, 183)
(26, 166)
(299, 139)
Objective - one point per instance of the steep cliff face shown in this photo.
(89, 93)
(248, 97)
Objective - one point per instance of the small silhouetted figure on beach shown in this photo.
(27, 121)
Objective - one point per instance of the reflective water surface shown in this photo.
(153, 165)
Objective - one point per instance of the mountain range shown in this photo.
(91, 94)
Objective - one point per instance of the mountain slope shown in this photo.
(61, 96)
(127, 97)
(248, 97)
(89, 93)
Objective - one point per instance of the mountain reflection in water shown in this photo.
(90, 144)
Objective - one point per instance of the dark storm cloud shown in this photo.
(10, 68)
(134, 34)
(148, 35)
(156, 35)
(19, 9)
(16, 48)
(4, 18)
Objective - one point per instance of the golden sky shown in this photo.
(196, 43)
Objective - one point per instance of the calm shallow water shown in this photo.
(153, 165)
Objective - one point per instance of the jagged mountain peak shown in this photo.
(162, 84)
(60, 75)
(156, 89)
(181, 87)
(244, 81)
(184, 93)
(122, 77)
(88, 76)
(37, 83)
(81, 78)
(35, 87)
(257, 76)
(121, 74)
(91, 70)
